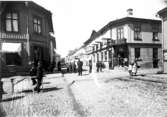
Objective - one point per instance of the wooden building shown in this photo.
(25, 36)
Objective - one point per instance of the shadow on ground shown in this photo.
(12, 98)
(137, 77)
(149, 80)
(42, 90)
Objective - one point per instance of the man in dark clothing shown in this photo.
(39, 76)
(33, 72)
(97, 66)
(80, 64)
(90, 66)
(59, 66)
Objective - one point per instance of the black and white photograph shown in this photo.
(83, 58)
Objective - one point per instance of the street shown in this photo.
(106, 94)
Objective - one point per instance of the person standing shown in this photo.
(90, 66)
(59, 66)
(100, 66)
(39, 76)
(80, 64)
(130, 69)
(97, 66)
(134, 68)
(33, 72)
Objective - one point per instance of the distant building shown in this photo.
(125, 40)
(163, 14)
(25, 35)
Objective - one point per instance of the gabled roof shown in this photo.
(91, 37)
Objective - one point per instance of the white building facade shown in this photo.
(126, 40)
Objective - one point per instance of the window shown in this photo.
(155, 53)
(101, 56)
(101, 45)
(13, 58)
(120, 33)
(96, 46)
(155, 36)
(93, 48)
(155, 30)
(37, 25)
(137, 52)
(11, 22)
(105, 55)
(137, 32)
(97, 57)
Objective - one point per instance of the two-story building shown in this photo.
(125, 40)
(25, 35)
(163, 15)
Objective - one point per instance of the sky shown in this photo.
(74, 20)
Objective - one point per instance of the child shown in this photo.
(134, 68)
(130, 69)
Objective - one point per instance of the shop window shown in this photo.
(11, 22)
(12, 52)
(13, 58)
(137, 52)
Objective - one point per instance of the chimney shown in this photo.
(129, 12)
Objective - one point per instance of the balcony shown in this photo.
(13, 36)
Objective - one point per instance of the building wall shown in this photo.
(165, 42)
(146, 55)
(26, 18)
(146, 34)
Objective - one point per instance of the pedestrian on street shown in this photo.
(90, 66)
(33, 72)
(134, 68)
(130, 69)
(39, 76)
(80, 64)
(97, 66)
(73, 67)
(59, 66)
(100, 66)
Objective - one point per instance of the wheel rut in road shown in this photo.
(77, 107)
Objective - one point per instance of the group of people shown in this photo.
(71, 67)
(133, 67)
(99, 66)
(36, 73)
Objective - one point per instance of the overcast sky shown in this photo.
(74, 20)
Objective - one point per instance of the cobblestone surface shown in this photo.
(107, 94)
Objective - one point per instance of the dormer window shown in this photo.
(11, 22)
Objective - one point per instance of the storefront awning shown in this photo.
(11, 47)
